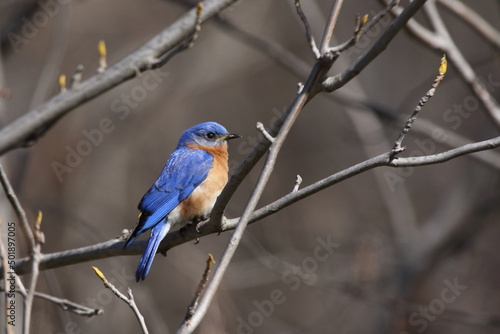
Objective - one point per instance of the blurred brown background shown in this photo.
(353, 289)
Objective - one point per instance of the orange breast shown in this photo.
(202, 199)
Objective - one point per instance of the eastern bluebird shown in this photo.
(186, 189)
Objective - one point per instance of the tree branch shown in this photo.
(309, 35)
(409, 123)
(114, 248)
(333, 83)
(476, 21)
(35, 123)
(128, 300)
(68, 305)
(18, 209)
(329, 85)
(441, 40)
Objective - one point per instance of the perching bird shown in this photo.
(186, 189)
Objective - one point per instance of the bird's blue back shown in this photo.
(183, 172)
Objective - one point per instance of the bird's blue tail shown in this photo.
(157, 234)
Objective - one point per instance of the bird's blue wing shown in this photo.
(183, 172)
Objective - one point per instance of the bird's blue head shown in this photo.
(210, 134)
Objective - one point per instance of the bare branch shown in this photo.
(298, 182)
(358, 32)
(309, 35)
(70, 306)
(378, 161)
(35, 262)
(204, 279)
(362, 26)
(330, 26)
(184, 45)
(333, 83)
(266, 134)
(128, 300)
(442, 70)
(441, 40)
(18, 209)
(476, 21)
(34, 240)
(33, 124)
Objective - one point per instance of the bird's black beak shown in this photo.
(232, 136)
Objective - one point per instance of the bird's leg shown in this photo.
(197, 221)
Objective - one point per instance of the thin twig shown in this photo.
(358, 32)
(35, 262)
(362, 26)
(331, 84)
(330, 26)
(18, 209)
(266, 134)
(309, 35)
(70, 306)
(440, 39)
(472, 18)
(204, 279)
(184, 45)
(298, 182)
(128, 300)
(407, 127)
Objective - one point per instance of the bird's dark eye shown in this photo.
(210, 135)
